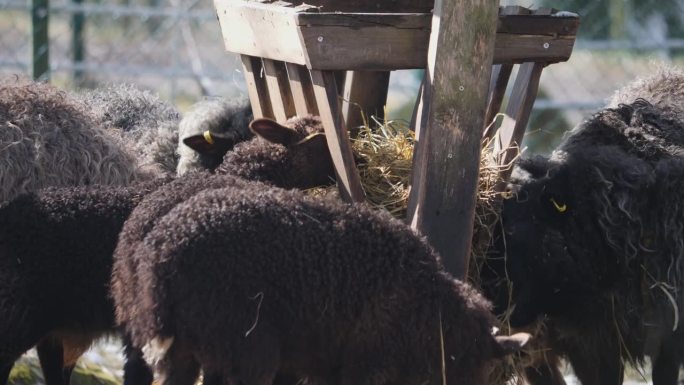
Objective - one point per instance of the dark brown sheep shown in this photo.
(56, 250)
(250, 281)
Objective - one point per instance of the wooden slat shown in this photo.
(302, 89)
(389, 6)
(364, 91)
(256, 87)
(340, 78)
(348, 180)
(498, 83)
(444, 182)
(260, 30)
(279, 90)
(517, 115)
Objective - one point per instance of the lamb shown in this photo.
(288, 157)
(594, 240)
(48, 138)
(225, 123)
(317, 288)
(148, 124)
(56, 250)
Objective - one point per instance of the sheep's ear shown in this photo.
(510, 344)
(315, 142)
(208, 142)
(273, 131)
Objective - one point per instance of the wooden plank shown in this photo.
(260, 30)
(302, 90)
(442, 199)
(517, 114)
(279, 90)
(340, 78)
(389, 47)
(402, 6)
(537, 24)
(501, 73)
(348, 180)
(256, 87)
(364, 91)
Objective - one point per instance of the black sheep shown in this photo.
(249, 281)
(593, 239)
(56, 250)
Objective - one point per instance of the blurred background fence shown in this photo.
(174, 47)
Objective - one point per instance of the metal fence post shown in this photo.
(40, 45)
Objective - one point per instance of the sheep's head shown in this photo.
(294, 155)
(550, 241)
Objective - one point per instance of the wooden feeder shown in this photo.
(333, 58)
(300, 59)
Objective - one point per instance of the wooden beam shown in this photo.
(348, 180)
(501, 73)
(364, 92)
(302, 90)
(517, 114)
(279, 90)
(444, 184)
(256, 87)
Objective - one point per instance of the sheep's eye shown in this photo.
(560, 207)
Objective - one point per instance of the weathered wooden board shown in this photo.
(445, 174)
(364, 92)
(261, 30)
(348, 180)
(302, 89)
(256, 87)
(279, 89)
(501, 73)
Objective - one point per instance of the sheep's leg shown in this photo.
(51, 357)
(179, 367)
(136, 370)
(666, 364)
(5, 369)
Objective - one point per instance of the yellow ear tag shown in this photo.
(207, 137)
(561, 208)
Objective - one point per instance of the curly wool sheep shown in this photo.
(148, 124)
(317, 288)
(56, 250)
(225, 123)
(291, 157)
(663, 89)
(594, 240)
(48, 138)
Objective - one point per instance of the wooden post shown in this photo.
(445, 174)
(40, 43)
(77, 46)
(364, 91)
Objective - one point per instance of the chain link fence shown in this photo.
(175, 48)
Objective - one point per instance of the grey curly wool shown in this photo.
(56, 250)
(333, 292)
(47, 138)
(664, 88)
(144, 120)
(229, 118)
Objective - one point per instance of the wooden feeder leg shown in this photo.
(348, 180)
(279, 89)
(497, 88)
(364, 92)
(442, 201)
(256, 87)
(302, 90)
(517, 114)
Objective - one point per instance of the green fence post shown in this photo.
(40, 45)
